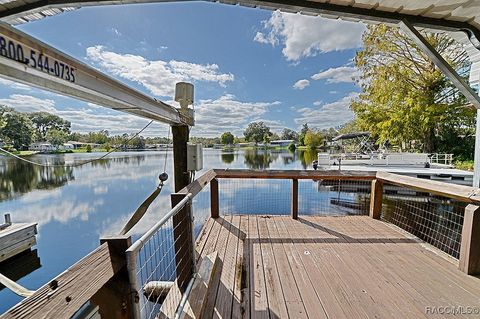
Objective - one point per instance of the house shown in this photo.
(66, 147)
(281, 143)
(42, 147)
(77, 145)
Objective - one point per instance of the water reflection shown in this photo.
(18, 178)
(257, 159)
(307, 157)
(228, 158)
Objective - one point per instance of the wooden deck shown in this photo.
(328, 267)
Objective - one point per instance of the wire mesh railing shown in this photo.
(156, 260)
(333, 197)
(274, 196)
(437, 220)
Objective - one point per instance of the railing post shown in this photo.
(469, 261)
(214, 202)
(376, 195)
(116, 295)
(182, 236)
(295, 198)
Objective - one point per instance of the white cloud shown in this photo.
(116, 32)
(158, 76)
(227, 114)
(101, 189)
(301, 84)
(340, 74)
(268, 39)
(317, 103)
(28, 103)
(304, 36)
(328, 115)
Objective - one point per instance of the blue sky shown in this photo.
(246, 64)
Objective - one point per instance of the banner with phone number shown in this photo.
(18, 52)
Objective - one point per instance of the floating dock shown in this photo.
(16, 238)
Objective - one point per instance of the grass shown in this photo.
(465, 165)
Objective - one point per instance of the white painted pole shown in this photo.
(476, 165)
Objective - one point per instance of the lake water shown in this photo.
(74, 207)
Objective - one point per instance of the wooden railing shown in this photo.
(101, 278)
(293, 175)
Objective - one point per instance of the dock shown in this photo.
(390, 257)
(327, 267)
(16, 238)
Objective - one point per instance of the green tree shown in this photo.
(266, 138)
(3, 122)
(313, 139)
(138, 143)
(274, 137)
(227, 138)
(256, 131)
(100, 137)
(56, 137)
(44, 121)
(78, 137)
(288, 134)
(301, 138)
(405, 96)
(17, 128)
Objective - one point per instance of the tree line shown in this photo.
(20, 130)
(259, 132)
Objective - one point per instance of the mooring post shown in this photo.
(469, 261)
(8, 219)
(376, 195)
(294, 198)
(182, 221)
(214, 201)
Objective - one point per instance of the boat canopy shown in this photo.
(350, 136)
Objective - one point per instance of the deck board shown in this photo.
(329, 267)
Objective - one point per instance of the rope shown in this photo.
(142, 209)
(16, 288)
(76, 164)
